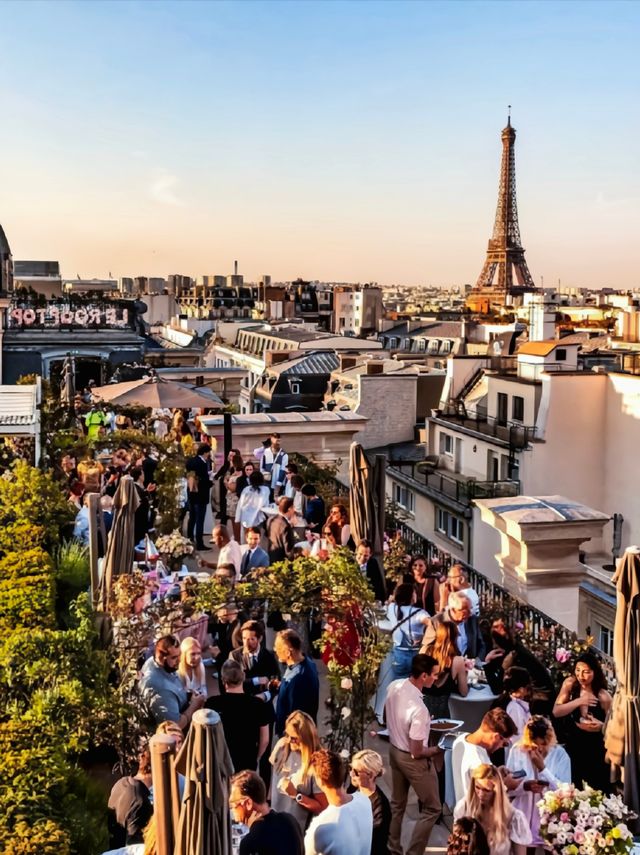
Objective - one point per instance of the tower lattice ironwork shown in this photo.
(505, 254)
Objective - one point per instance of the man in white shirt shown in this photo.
(410, 756)
(230, 550)
(474, 749)
(345, 826)
(458, 580)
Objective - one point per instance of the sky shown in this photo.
(341, 141)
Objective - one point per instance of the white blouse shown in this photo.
(557, 770)
(518, 829)
(250, 505)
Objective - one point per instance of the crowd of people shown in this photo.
(260, 676)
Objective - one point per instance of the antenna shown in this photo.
(509, 115)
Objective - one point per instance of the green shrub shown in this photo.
(27, 602)
(44, 837)
(24, 534)
(31, 496)
(26, 563)
(71, 561)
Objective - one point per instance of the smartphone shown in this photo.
(520, 773)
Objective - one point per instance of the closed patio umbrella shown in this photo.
(366, 498)
(204, 827)
(118, 558)
(622, 734)
(158, 394)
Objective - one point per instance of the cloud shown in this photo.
(162, 188)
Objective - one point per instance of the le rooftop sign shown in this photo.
(55, 315)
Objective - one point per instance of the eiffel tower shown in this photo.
(505, 254)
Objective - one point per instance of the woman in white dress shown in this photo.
(405, 621)
(546, 764)
(505, 826)
(252, 501)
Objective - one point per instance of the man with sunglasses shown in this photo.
(270, 832)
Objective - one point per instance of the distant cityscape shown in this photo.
(498, 390)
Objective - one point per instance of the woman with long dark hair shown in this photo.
(585, 701)
(453, 672)
(426, 584)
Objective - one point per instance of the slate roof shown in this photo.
(317, 362)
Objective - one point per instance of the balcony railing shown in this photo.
(514, 433)
(494, 598)
(461, 490)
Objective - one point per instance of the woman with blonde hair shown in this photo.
(546, 764)
(506, 827)
(295, 789)
(190, 668)
(453, 671)
(366, 768)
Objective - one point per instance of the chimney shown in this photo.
(274, 357)
(347, 362)
(375, 366)
(235, 268)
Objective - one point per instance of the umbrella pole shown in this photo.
(165, 791)
(94, 509)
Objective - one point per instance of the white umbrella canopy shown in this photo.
(158, 394)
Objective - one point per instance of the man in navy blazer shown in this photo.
(300, 688)
(253, 554)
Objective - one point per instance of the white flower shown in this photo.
(346, 683)
(345, 712)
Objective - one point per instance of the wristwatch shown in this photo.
(299, 798)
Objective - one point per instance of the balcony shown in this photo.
(449, 485)
(513, 434)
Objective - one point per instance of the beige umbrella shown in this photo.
(120, 543)
(158, 394)
(204, 827)
(622, 734)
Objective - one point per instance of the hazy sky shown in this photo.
(350, 141)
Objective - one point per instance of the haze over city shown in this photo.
(340, 141)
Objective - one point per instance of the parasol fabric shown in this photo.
(622, 732)
(120, 543)
(204, 827)
(158, 394)
(364, 498)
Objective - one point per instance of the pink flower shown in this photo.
(564, 816)
(562, 655)
(518, 626)
(578, 836)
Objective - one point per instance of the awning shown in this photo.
(479, 391)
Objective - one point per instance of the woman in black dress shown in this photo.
(585, 701)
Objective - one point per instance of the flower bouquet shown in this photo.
(584, 822)
(174, 547)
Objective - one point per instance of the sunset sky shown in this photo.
(339, 141)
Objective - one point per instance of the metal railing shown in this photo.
(514, 433)
(494, 598)
(459, 490)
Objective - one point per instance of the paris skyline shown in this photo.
(341, 141)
